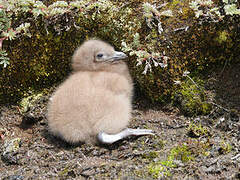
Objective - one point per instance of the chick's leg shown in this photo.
(105, 138)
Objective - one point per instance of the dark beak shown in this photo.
(118, 56)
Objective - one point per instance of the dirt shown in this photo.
(203, 147)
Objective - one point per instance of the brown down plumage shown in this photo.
(95, 98)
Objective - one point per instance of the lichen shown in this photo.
(27, 102)
(11, 145)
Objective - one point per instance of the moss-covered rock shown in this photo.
(36, 62)
(44, 58)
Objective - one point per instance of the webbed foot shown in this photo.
(105, 138)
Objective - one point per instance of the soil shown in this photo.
(203, 147)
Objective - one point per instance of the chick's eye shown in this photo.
(99, 55)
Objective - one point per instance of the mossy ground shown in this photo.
(202, 147)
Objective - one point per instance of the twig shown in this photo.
(194, 82)
(235, 157)
(220, 106)
(223, 68)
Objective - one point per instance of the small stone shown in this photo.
(10, 149)
(11, 145)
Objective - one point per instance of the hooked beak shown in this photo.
(118, 56)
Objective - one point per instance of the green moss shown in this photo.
(162, 169)
(197, 130)
(181, 153)
(158, 171)
(225, 147)
(222, 37)
(151, 155)
(191, 99)
(186, 152)
(36, 63)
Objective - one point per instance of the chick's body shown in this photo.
(91, 101)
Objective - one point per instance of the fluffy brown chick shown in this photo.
(95, 100)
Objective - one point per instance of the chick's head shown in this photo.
(94, 55)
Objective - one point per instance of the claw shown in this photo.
(105, 138)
